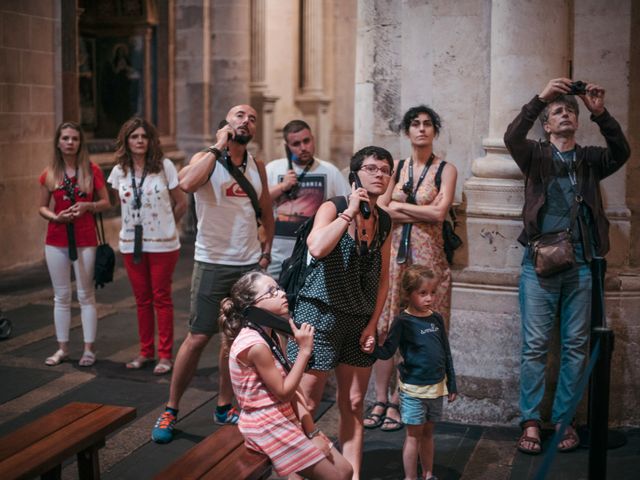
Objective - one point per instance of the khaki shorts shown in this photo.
(210, 284)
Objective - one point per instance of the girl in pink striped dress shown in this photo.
(274, 419)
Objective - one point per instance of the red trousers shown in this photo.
(151, 283)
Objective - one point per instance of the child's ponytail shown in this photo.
(242, 295)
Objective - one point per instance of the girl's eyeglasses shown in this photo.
(272, 292)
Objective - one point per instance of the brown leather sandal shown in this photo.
(571, 435)
(524, 438)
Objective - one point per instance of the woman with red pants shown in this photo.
(152, 204)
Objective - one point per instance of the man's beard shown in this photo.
(242, 139)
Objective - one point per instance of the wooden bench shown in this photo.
(222, 455)
(40, 447)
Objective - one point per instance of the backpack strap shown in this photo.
(399, 169)
(438, 179)
(384, 226)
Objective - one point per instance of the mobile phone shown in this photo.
(365, 209)
(222, 124)
(267, 319)
(289, 156)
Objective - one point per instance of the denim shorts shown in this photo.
(417, 411)
(210, 284)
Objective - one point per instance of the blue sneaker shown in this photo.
(162, 431)
(230, 417)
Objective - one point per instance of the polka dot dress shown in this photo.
(338, 299)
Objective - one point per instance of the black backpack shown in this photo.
(295, 268)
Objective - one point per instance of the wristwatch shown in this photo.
(266, 255)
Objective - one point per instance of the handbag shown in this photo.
(105, 257)
(553, 253)
(450, 238)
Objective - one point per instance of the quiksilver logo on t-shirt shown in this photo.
(235, 190)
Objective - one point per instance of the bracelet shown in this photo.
(313, 434)
(214, 151)
(266, 255)
(346, 217)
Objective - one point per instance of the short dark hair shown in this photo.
(568, 100)
(413, 113)
(378, 153)
(294, 126)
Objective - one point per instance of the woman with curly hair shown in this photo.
(72, 189)
(418, 206)
(152, 204)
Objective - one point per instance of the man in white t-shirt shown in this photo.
(298, 185)
(229, 243)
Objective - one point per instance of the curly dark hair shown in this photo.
(413, 113)
(242, 294)
(153, 158)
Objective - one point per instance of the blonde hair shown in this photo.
(412, 279)
(55, 171)
(242, 294)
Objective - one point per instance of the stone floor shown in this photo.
(30, 389)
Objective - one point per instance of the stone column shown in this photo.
(313, 101)
(522, 62)
(260, 99)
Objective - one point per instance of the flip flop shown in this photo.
(391, 424)
(537, 448)
(163, 367)
(375, 418)
(88, 359)
(56, 359)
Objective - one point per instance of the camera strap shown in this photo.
(408, 188)
(273, 342)
(244, 182)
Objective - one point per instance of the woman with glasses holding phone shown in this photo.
(417, 207)
(343, 295)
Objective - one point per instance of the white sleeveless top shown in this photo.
(227, 230)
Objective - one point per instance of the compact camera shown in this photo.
(578, 88)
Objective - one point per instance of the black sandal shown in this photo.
(375, 418)
(391, 424)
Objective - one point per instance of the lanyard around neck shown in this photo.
(410, 190)
(137, 190)
(569, 164)
(68, 187)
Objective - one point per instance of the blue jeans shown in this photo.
(567, 295)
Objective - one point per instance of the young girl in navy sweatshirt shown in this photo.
(426, 372)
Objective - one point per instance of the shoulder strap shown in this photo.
(244, 183)
(340, 203)
(385, 224)
(438, 179)
(399, 169)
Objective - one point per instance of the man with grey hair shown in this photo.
(562, 194)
